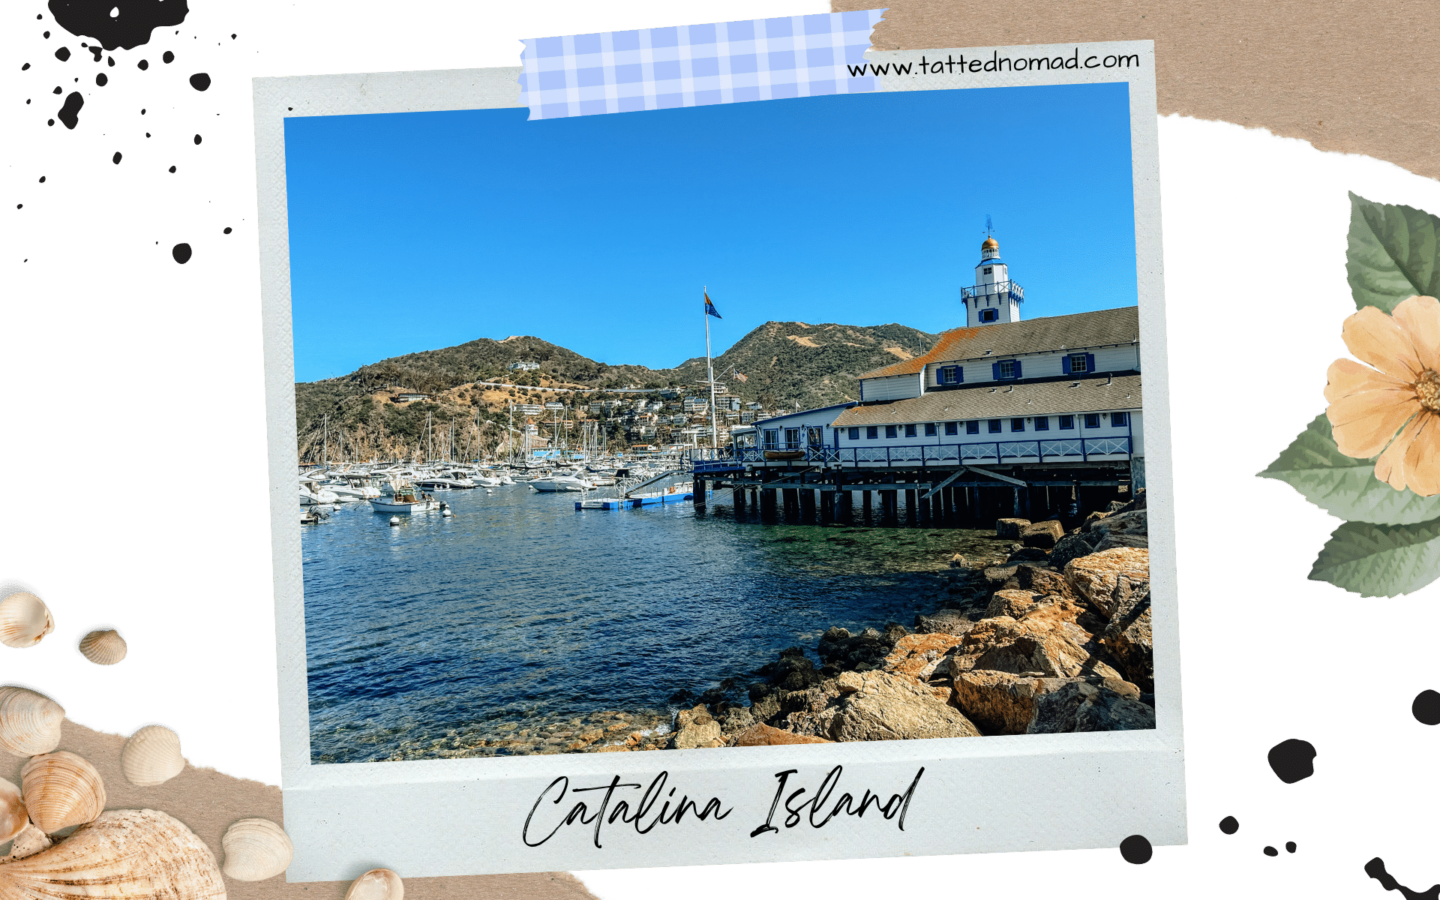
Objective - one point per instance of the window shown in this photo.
(1042, 423)
(872, 432)
(1007, 368)
(890, 431)
(989, 315)
(1092, 420)
(972, 427)
(1066, 422)
(1017, 424)
(854, 434)
(792, 439)
(994, 426)
(952, 427)
(950, 375)
(1119, 419)
(1079, 363)
(989, 269)
(909, 430)
(772, 439)
(929, 429)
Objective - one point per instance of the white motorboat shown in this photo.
(312, 493)
(406, 501)
(560, 483)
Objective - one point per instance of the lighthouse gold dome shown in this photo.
(990, 244)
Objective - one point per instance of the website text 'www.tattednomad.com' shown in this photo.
(997, 63)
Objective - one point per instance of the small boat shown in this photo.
(784, 454)
(312, 493)
(406, 500)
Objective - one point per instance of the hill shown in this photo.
(781, 365)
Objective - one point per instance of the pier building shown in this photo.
(1002, 416)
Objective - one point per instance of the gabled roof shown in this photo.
(1061, 396)
(1090, 329)
(805, 412)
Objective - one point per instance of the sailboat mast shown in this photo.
(325, 442)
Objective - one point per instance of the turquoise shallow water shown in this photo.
(521, 611)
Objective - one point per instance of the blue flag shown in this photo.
(710, 308)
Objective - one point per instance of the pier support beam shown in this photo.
(865, 505)
(699, 491)
(767, 504)
(889, 506)
(790, 498)
(925, 514)
(844, 508)
(737, 498)
(807, 505)
(912, 514)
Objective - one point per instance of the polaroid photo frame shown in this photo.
(559, 811)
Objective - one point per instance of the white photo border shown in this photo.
(468, 816)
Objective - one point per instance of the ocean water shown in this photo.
(520, 614)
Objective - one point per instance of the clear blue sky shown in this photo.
(418, 231)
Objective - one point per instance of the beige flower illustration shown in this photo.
(1395, 406)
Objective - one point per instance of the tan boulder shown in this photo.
(1012, 603)
(1110, 578)
(1043, 580)
(1043, 535)
(916, 655)
(889, 708)
(763, 735)
(1129, 640)
(1083, 706)
(695, 728)
(1009, 529)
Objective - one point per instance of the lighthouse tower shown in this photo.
(994, 298)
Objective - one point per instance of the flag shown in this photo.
(710, 308)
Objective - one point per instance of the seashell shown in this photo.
(29, 722)
(29, 841)
(255, 849)
(151, 756)
(135, 853)
(24, 620)
(13, 817)
(104, 648)
(377, 884)
(61, 789)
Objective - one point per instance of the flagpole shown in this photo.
(710, 373)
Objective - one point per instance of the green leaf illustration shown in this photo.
(1394, 253)
(1343, 486)
(1380, 560)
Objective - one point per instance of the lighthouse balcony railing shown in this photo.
(1012, 289)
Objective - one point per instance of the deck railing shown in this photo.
(1011, 289)
(1082, 449)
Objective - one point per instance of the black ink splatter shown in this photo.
(1292, 760)
(200, 81)
(96, 51)
(59, 89)
(130, 28)
(1271, 851)
(62, 54)
(1136, 849)
(1289, 846)
(181, 252)
(1375, 868)
(227, 230)
(50, 122)
(197, 140)
(102, 79)
(172, 170)
(1426, 708)
(116, 158)
(42, 179)
(110, 61)
(70, 112)
(24, 67)
(47, 35)
(1229, 825)
(143, 64)
(168, 57)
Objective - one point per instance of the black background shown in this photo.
(134, 379)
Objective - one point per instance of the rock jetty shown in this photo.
(1055, 639)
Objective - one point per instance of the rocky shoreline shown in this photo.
(1056, 639)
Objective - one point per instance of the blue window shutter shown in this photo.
(1090, 362)
(1065, 364)
(995, 371)
(1017, 368)
(959, 374)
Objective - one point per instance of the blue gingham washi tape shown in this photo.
(697, 65)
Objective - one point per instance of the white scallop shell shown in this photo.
(151, 756)
(126, 853)
(255, 849)
(104, 648)
(13, 817)
(29, 722)
(62, 789)
(24, 620)
(377, 884)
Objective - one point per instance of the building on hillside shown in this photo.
(1001, 402)
(524, 366)
(409, 396)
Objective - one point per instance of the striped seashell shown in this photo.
(377, 884)
(13, 817)
(151, 756)
(29, 722)
(24, 620)
(61, 789)
(104, 648)
(256, 849)
(126, 854)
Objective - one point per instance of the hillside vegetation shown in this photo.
(781, 365)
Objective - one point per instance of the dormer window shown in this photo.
(989, 315)
(1006, 369)
(1079, 363)
(950, 375)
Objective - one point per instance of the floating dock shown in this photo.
(636, 502)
